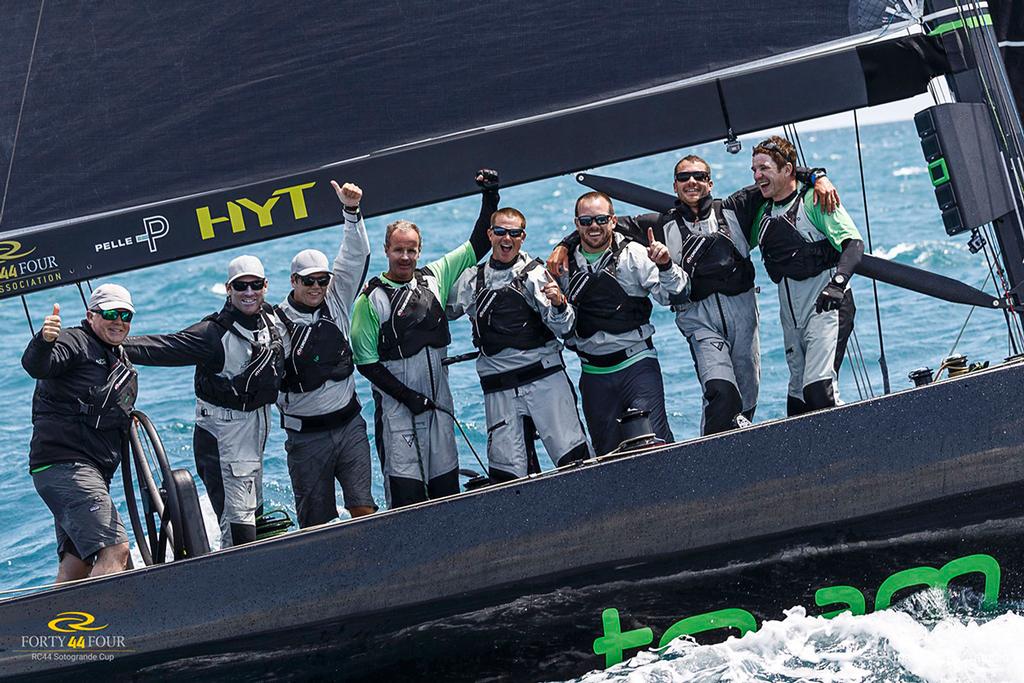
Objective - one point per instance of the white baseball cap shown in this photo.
(110, 297)
(310, 261)
(244, 265)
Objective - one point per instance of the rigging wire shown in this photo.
(861, 365)
(28, 317)
(81, 293)
(21, 109)
(963, 327)
(882, 362)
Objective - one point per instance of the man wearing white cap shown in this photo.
(319, 409)
(85, 392)
(239, 363)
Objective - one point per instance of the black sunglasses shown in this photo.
(254, 285)
(511, 232)
(309, 280)
(586, 221)
(113, 314)
(699, 176)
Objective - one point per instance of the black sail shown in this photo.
(139, 133)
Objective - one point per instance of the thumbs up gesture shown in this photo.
(51, 325)
(656, 251)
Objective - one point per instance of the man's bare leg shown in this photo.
(111, 560)
(72, 568)
(360, 510)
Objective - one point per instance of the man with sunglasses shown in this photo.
(239, 361)
(326, 436)
(610, 282)
(718, 315)
(399, 339)
(811, 256)
(517, 310)
(85, 391)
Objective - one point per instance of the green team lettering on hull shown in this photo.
(615, 642)
(236, 217)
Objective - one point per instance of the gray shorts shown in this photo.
(317, 459)
(84, 516)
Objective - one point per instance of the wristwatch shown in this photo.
(839, 280)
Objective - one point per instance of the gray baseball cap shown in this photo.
(310, 261)
(244, 265)
(110, 297)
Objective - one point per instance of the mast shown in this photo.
(977, 74)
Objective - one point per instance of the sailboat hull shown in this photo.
(521, 580)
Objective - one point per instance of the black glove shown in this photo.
(831, 298)
(694, 247)
(418, 403)
(487, 179)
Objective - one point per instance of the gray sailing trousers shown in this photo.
(228, 447)
(549, 404)
(317, 459)
(722, 332)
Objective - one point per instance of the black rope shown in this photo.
(882, 362)
(28, 317)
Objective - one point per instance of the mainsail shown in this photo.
(140, 134)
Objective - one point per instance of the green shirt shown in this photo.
(365, 321)
(837, 226)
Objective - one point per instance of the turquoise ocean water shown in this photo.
(905, 227)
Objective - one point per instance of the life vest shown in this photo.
(721, 270)
(787, 253)
(504, 318)
(417, 320)
(320, 352)
(602, 305)
(109, 405)
(258, 382)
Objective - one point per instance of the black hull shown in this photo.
(512, 582)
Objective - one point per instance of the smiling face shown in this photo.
(247, 301)
(110, 332)
(775, 183)
(402, 250)
(594, 237)
(692, 190)
(311, 295)
(505, 248)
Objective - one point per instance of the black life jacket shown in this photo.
(601, 303)
(109, 405)
(258, 383)
(787, 253)
(417, 320)
(504, 318)
(320, 352)
(721, 270)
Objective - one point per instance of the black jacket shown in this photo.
(65, 370)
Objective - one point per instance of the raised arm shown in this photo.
(487, 180)
(353, 259)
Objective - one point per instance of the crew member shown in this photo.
(326, 435)
(610, 281)
(718, 315)
(517, 310)
(239, 364)
(811, 255)
(81, 410)
(399, 339)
